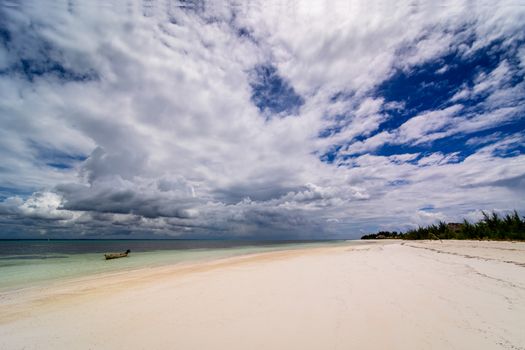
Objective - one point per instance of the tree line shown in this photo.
(492, 227)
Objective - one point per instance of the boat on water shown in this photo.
(109, 256)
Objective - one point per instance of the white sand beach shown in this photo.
(378, 295)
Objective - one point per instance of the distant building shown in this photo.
(454, 226)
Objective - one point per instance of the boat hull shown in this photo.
(110, 256)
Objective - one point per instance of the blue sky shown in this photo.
(259, 119)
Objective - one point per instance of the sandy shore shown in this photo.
(380, 295)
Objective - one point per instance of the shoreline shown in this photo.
(114, 281)
(375, 295)
(55, 264)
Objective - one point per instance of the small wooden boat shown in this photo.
(116, 255)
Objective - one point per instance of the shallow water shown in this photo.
(31, 263)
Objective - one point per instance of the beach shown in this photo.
(385, 294)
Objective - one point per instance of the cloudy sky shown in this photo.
(258, 119)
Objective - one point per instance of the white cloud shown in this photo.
(423, 218)
(370, 143)
(461, 94)
(482, 140)
(417, 129)
(521, 53)
(40, 205)
(174, 144)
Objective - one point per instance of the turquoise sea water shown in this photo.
(32, 263)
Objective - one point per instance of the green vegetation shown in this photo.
(492, 226)
(383, 235)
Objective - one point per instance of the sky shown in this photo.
(258, 119)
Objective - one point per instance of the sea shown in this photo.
(30, 263)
